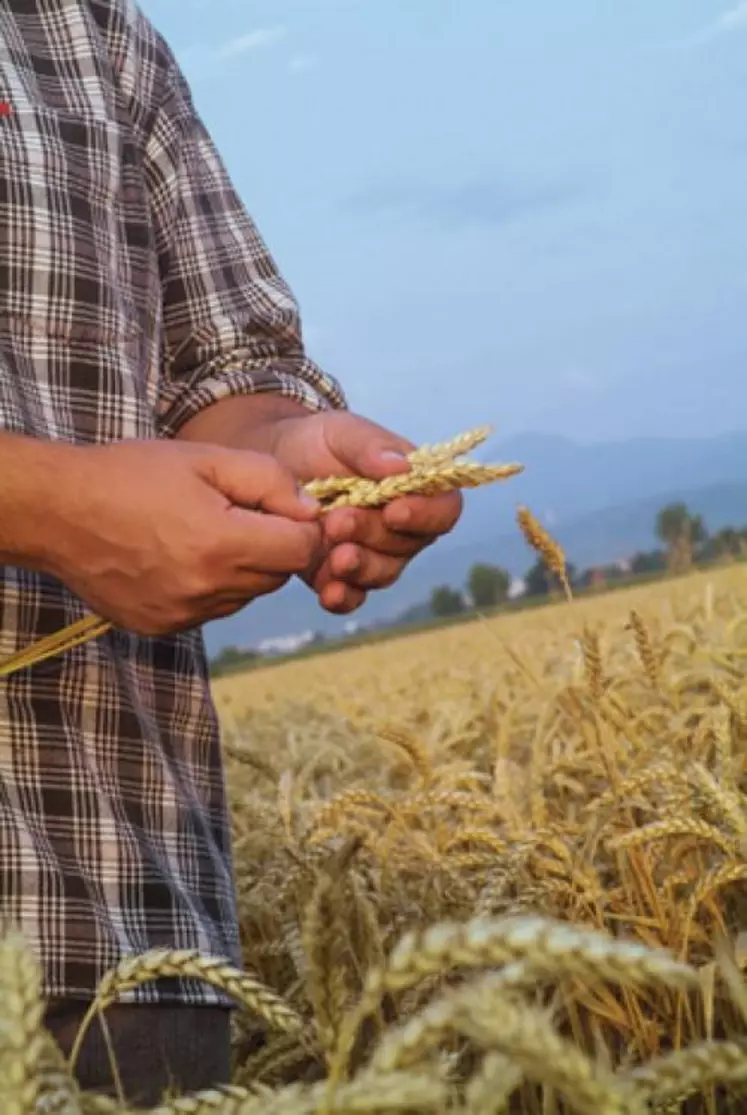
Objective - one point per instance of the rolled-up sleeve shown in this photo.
(231, 325)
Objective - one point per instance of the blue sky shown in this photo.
(529, 213)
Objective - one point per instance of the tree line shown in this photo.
(685, 541)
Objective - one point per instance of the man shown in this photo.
(157, 414)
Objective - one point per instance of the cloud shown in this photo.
(732, 21)
(481, 202)
(300, 63)
(251, 40)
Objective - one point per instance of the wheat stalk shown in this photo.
(435, 470)
(550, 551)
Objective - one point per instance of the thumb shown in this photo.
(365, 449)
(257, 481)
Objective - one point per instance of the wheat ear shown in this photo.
(550, 551)
(435, 469)
(525, 1034)
(393, 1092)
(680, 1074)
(547, 948)
(22, 1038)
(159, 964)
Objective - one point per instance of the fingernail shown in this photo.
(309, 501)
(392, 455)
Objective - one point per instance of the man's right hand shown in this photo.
(158, 537)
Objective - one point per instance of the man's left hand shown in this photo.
(367, 549)
(363, 549)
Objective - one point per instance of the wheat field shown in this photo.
(493, 867)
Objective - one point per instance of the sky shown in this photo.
(521, 212)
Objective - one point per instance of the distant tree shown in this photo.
(682, 533)
(488, 585)
(698, 531)
(537, 581)
(416, 613)
(649, 561)
(229, 657)
(727, 543)
(446, 601)
(540, 582)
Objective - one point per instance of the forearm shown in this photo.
(242, 421)
(35, 478)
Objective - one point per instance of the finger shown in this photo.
(255, 480)
(365, 448)
(367, 528)
(424, 516)
(341, 599)
(364, 569)
(253, 543)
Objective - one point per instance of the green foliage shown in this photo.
(682, 532)
(488, 585)
(672, 523)
(446, 601)
(540, 582)
(229, 658)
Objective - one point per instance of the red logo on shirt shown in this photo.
(6, 108)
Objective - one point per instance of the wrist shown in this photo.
(244, 422)
(37, 488)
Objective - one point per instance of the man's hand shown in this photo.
(367, 549)
(364, 549)
(160, 536)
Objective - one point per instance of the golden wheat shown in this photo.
(550, 551)
(594, 821)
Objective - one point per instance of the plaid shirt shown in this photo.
(134, 291)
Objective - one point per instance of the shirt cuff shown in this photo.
(309, 386)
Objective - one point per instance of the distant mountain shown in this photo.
(600, 500)
(564, 480)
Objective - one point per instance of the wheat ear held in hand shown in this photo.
(433, 469)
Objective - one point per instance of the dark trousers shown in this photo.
(157, 1049)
